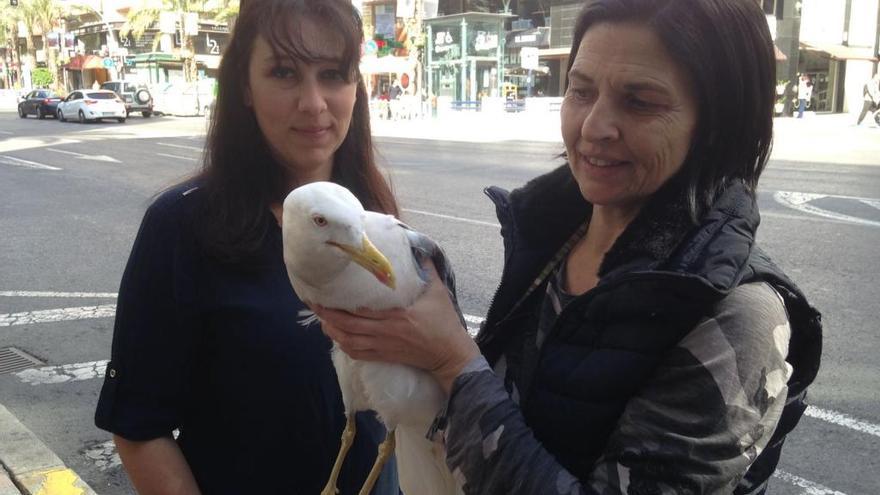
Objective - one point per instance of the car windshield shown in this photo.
(130, 88)
(102, 96)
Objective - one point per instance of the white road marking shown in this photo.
(26, 293)
(871, 202)
(18, 162)
(450, 217)
(183, 146)
(841, 419)
(801, 201)
(178, 157)
(54, 315)
(810, 488)
(64, 373)
(81, 156)
(803, 217)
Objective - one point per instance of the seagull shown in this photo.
(340, 256)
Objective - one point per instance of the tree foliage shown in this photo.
(41, 77)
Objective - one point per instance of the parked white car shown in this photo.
(87, 105)
(184, 99)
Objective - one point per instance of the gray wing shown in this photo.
(424, 248)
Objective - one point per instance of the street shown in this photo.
(72, 197)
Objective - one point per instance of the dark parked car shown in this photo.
(137, 98)
(39, 102)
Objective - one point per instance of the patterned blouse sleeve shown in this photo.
(696, 427)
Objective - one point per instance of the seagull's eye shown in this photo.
(319, 221)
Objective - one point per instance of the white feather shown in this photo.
(406, 399)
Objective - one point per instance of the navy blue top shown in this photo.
(215, 350)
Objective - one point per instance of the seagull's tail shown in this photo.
(421, 464)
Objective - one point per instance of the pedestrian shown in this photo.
(870, 97)
(206, 340)
(394, 103)
(96, 85)
(640, 340)
(805, 92)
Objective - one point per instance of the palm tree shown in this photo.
(45, 14)
(227, 12)
(147, 15)
(9, 17)
(27, 16)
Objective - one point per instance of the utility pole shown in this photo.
(877, 38)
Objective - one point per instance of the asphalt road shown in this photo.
(65, 233)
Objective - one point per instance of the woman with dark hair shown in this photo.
(206, 339)
(639, 341)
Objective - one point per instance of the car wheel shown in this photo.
(147, 114)
(21, 112)
(40, 114)
(61, 116)
(82, 117)
(121, 120)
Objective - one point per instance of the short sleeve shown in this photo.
(149, 374)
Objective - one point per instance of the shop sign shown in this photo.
(443, 42)
(528, 57)
(211, 45)
(191, 24)
(406, 8)
(539, 37)
(485, 41)
(167, 22)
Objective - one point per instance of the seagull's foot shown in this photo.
(330, 490)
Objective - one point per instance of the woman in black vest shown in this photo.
(640, 341)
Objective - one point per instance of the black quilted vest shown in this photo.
(660, 278)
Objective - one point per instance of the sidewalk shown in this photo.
(29, 467)
(824, 138)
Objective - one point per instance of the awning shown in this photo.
(515, 70)
(386, 65)
(85, 62)
(143, 58)
(840, 52)
(553, 52)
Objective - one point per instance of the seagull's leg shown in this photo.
(347, 440)
(386, 448)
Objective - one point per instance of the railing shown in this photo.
(514, 105)
(465, 105)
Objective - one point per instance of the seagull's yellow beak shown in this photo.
(371, 259)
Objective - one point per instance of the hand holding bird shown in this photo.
(426, 335)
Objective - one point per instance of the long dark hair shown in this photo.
(727, 50)
(240, 177)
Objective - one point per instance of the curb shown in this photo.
(29, 467)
